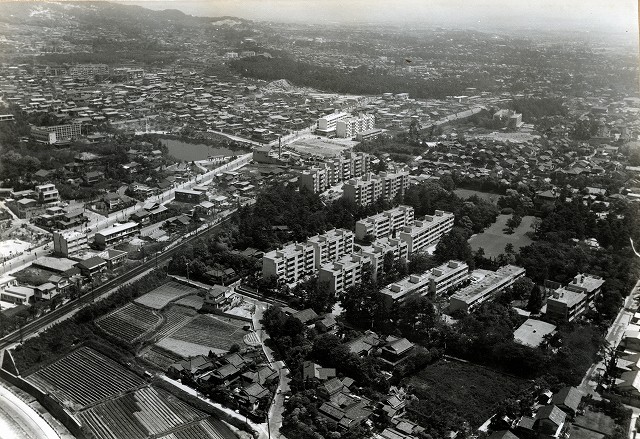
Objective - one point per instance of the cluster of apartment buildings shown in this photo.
(332, 256)
(344, 125)
(332, 171)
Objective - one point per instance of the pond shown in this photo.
(195, 151)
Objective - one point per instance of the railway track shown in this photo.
(59, 313)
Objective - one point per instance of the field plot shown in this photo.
(205, 429)
(84, 377)
(194, 302)
(129, 323)
(138, 415)
(176, 318)
(163, 295)
(450, 389)
(493, 240)
(205, 333)
(160, 358)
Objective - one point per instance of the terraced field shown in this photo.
(176, 318)
(84, 377)
(165, 294)
(160, 358)
(194, 302)
(130, 322)
(138, 415)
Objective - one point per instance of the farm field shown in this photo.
(163, 295)
(194, 302)
(452, 388)
(206, 429)
(138, 415)
(176, 318)
(205, 333)
(130, 322)
(84, 377)
(493, 239)
(159, 357)
(486, 196)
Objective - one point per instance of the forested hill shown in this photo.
(358, 81)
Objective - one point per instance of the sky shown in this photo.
(607, 15)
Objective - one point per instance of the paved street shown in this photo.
(19, 421)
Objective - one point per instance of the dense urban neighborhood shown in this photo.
(226, 228)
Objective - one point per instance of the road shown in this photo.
(19, 421)
(613, 338)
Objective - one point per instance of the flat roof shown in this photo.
(54, 264)
(532, 332)
(117, 228)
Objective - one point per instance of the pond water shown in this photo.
(195, 151)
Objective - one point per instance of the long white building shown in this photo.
(331, 245)
(385, 223)
(327, 124)
(344, 273)
(349, 127)
(485, 284)
(328, 173)
(427, 232)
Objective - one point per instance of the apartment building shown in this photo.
(385, 223)
(413, 285)
(289, 264)
(68, 243)
(88, 70)
(448, 277)
(344, 273)
(331, 246)
(317, 179)
(116, 234)
(370, 187)
(484, 285)
(57, 133)
(377, 251)
(566, 305)
(329, 173)
(427, 232)
(47, 193)
(327, 124)
(572, 301)
(349, 127)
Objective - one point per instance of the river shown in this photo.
(196, 151)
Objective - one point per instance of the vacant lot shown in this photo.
(493, 240)
(451, 391)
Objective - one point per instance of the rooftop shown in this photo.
(532, 332)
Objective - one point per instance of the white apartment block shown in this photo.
(448, 277)
(331, 246)
(344, 273)
(87, 70)
(115, 234)
(57, 133)
(385, 223)
(484, 285)
(351, 126)
(316, 179)
(370, 187)
(428, 231)
(380, 248)
(69, 242)
(324, 175)
(47, 193)
(572, 301)
(327, 124)
(398, 292)
(289, 264)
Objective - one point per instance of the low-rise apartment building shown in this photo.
(484, 285)
(382, 247)
(344, 273)
(327, 124)
(448, 277)
(331, 246)
(289, 264)
(398, 292)
(427, 232)
(385, 223)
(566, 305)
(370, 187)
(589, 284)
(47, 193)
(57, 133)
(116, 234)
(67, 243)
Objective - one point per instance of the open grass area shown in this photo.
(452, 391)
(494, 239)
(486, 196)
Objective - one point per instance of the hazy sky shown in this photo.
(612, 15)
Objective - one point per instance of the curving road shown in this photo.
(19, 421)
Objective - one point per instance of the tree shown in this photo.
(522, 287)
(454, 245)
(535, 300)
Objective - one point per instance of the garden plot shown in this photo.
(130, 322)
(165, 294)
